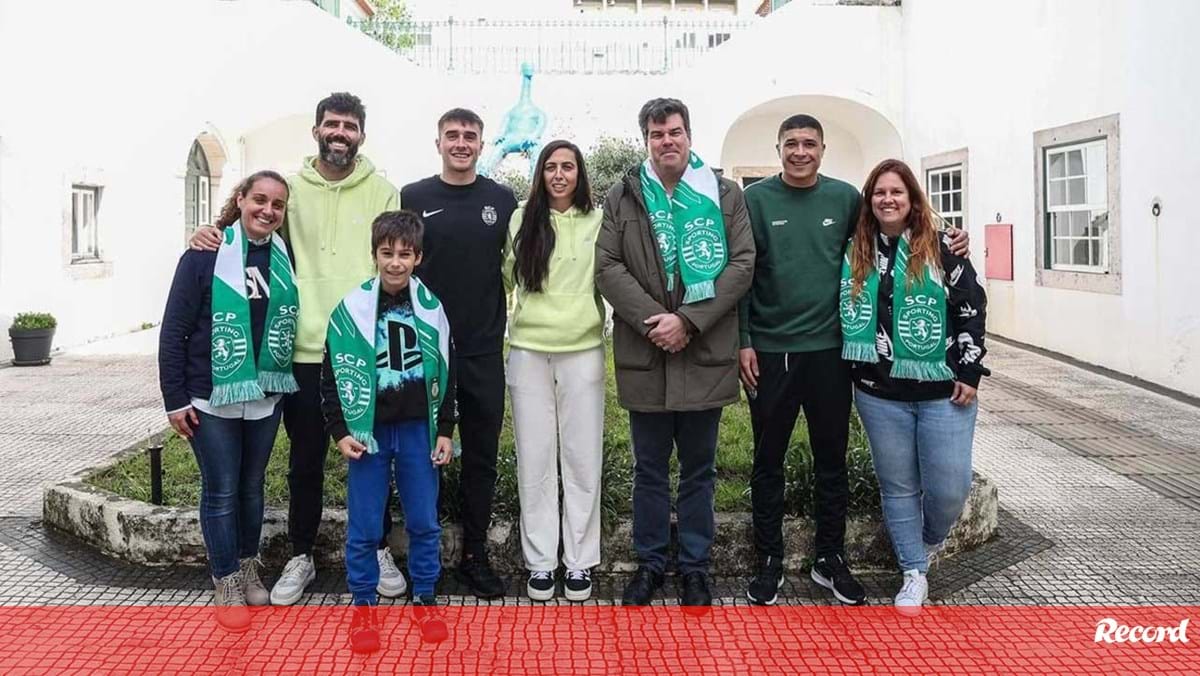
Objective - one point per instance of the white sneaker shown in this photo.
(391, 580)
(297, 575)
(913, 593)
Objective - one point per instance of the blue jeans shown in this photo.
(232, 455)
(654, 435)
(403, 451)
(922, 456)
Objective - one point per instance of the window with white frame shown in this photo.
(85, 201)
(1076, 206)
(945, 188)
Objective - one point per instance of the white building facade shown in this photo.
(1053, 131)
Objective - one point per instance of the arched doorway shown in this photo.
(857, 137)
(202, 182)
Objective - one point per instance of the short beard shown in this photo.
(339, 160)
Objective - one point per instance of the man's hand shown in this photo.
(442, 452)
(748, 364)
(206, 238)
(669, 333)
(963, 394)
(960, 242)
(350, 448)
(184, 422)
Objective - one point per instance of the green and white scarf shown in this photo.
(237, 378)
(918, 315)
(351, 339)
(688, 227)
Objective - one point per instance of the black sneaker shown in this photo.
(832, 573)
(428, 617)
(364, 629)
(694, 595)
(478, 575)
(640, 590)
(764, 588)
(577, 586)
(541, 585)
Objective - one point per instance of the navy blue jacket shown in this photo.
(184, 342)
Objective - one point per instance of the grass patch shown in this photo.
(735, 461)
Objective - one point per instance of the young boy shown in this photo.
(387, 387)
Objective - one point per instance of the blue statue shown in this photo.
(521, 131)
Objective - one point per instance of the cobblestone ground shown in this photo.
(1076, 527)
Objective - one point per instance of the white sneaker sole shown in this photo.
(538, 594)
(577, 595)
(910, 611)
(279, 599)
(392, 592)
(828, 584)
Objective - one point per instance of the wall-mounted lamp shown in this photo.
(998, 219)
(1156, 207)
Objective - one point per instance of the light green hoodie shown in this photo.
(329, 228)
(567, 315)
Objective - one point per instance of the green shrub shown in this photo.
(735, 461)
(34, 320)
(608, 160)
(514, 180)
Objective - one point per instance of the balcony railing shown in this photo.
(567, 46)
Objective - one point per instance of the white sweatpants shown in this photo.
(558, 414)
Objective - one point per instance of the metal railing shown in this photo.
(567, 46)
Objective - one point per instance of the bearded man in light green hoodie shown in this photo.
(332, 202)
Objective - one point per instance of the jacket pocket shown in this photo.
(719, 345)
(630, 349)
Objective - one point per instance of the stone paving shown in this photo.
(1072, 530)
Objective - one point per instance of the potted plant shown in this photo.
(32, 333)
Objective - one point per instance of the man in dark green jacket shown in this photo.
(790, 357)
(676, 361)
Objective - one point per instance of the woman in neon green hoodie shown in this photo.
(555, 372)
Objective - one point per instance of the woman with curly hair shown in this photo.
(224, 363)
(912, 316)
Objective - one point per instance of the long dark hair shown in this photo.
(923, 233)
(230, 212)
(534, 241)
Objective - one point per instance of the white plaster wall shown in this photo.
(987, 76)
(130, 116)
(849, 53)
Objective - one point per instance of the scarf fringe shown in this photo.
(923, 371)
(277, 381)
(235, 393)
(366, 439)
(699, 291)
(860, 352)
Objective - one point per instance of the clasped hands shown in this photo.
(668, 331)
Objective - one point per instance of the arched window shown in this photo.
(197, 189)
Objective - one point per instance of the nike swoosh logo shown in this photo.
(827, 222)
(427, 214)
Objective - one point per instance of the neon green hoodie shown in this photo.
(567, 315)
(329, 228)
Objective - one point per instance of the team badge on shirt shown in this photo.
(488, 215)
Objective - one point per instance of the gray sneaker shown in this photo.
(252, 585)
(297, 575)
(391, 580)
(229, 603)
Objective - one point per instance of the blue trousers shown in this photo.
(922, 456)
(232, 455)
(403, 451)
(654, 436)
